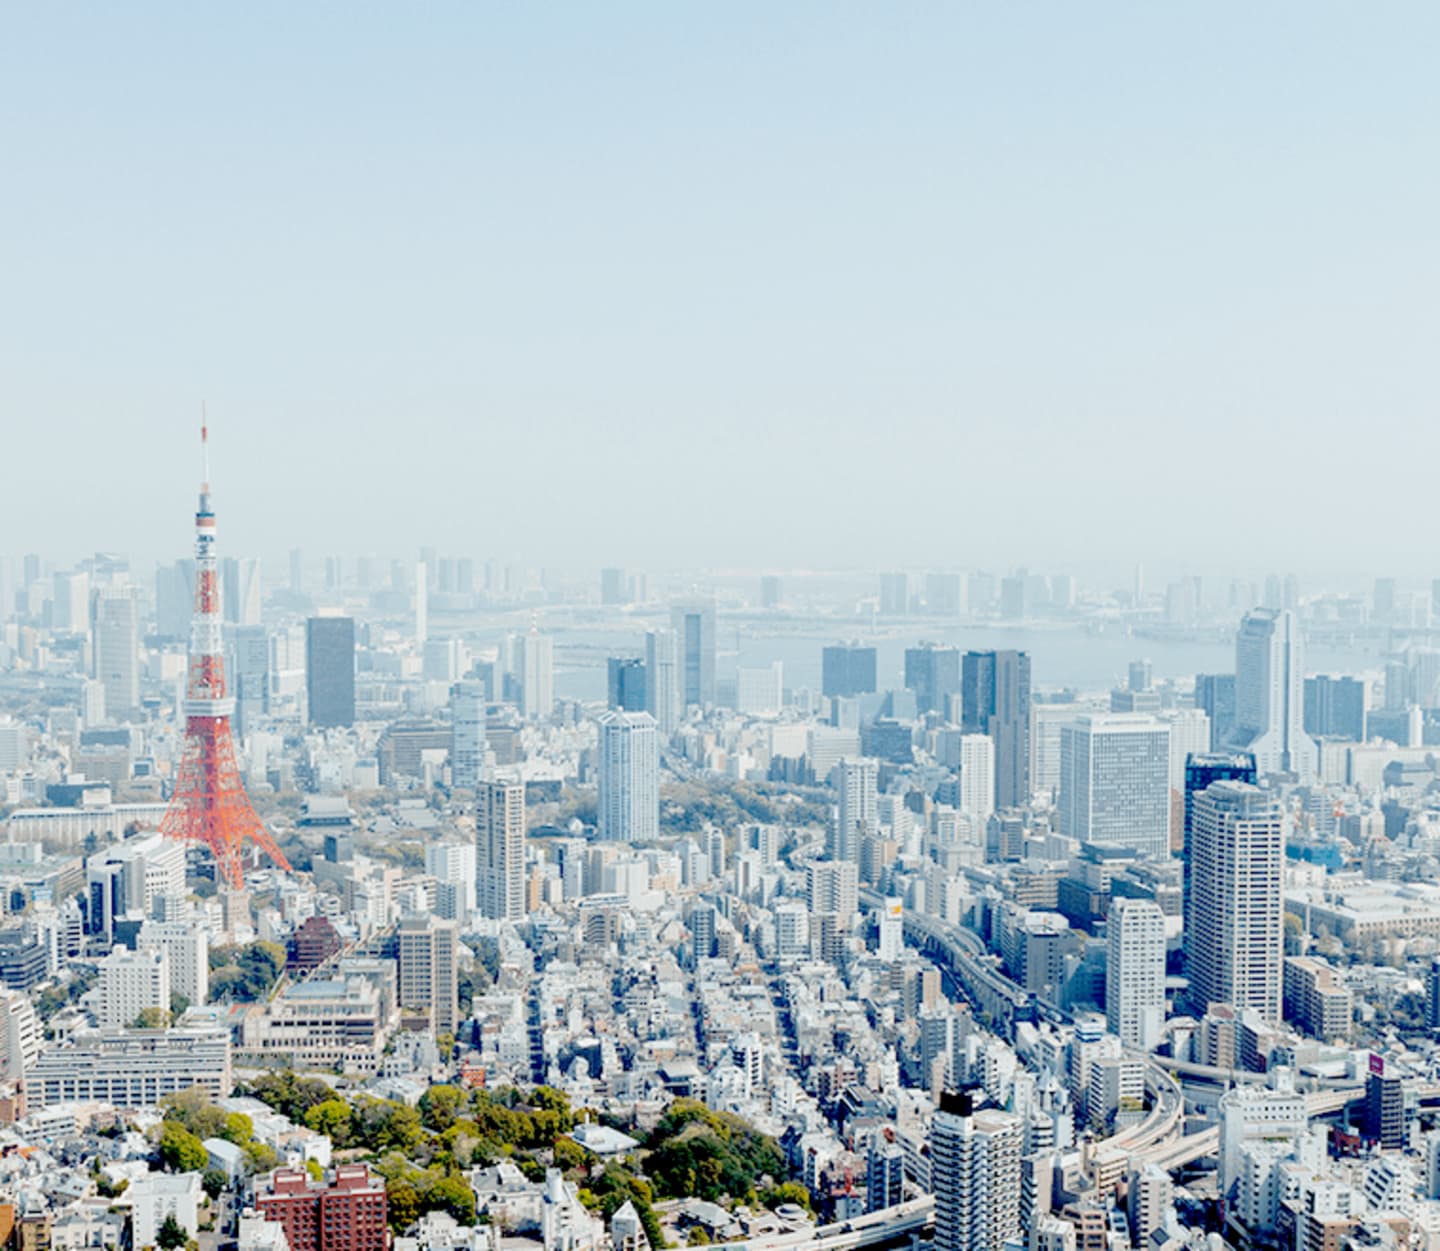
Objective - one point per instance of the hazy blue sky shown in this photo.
(735, 284)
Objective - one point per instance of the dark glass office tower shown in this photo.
(626, 684)
(995, 699)
(847, 669)
(1201, 769)
(1335, 707)
(1215, 693)
(694, 626)
(932, 671)
(330, 670)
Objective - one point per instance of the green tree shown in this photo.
(569, 1154)
(239, 1129)
(180, 1150)
(172, 1235)
(403, 1202)
(260, 1157)
(331, 1118)
(440, 1105)
(787, 1192)
(453, 1195)
(214, 1182)
(152, 1018)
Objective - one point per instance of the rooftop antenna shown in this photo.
(204, 447)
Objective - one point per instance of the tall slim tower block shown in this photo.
(975, 1174)
(1135, 972)
(209, 804)
(694, 626)
(629, 775)
(995, 698)
(500, 850)
(1270, 695)
(1236, 944)
(330, 670)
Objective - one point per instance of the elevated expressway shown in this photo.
(1007, 1005)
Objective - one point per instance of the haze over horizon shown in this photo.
(741, 287)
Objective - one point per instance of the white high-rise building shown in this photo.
(117, 649)
(1270, 695)
(857, 813)
(428, 968)
(187, 949)
(892, 931)
(240, 589)
(1046, 722)
(131, 982)
(833, 886)
(977, 775)
(975, 1174)
(21, 1036)
(537, 675)
(453, 866)
(1135, 972)
(92, 703)
(1115, 781)
(500, 850)
(467, 735)
(761, 692)
(629, 772)
(662, 679)
(71, 602)
(1237, 861)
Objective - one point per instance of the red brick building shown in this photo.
(346, 1212)
(312, 944)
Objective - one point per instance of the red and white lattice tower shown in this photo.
(209, 804)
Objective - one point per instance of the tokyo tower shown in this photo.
(209, 804)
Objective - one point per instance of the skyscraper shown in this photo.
(1236, 944)
(629, 772)
(240, 588)
(1202, 770)
(174, 598)
(467, 735)
(662, 679)
(1115, 781)
(932, 671)
(1135, 972)
(422, 603)
(694, 626)
(1335, 707)
(537, 675)
(251, 667)
(429, 972)
(995, 698)
(847, 669)
(625, 683)
(612, 586)
(500, 850)
(857, 814)
(330, 670)
(117, 649)
(894, 594)
(977, 776)
(975, 1174)
(1269, 695)
(1215, 695)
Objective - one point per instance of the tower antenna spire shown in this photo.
(208, 804)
